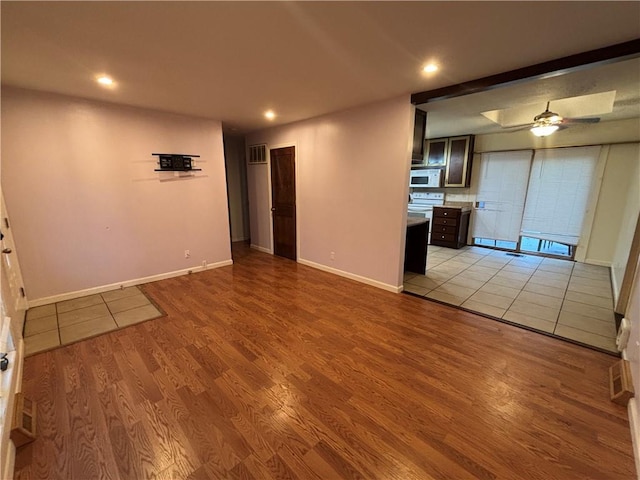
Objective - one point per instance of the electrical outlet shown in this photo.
(333, 255)
(187, 254)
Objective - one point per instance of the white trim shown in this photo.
(126, 283)
(614, 286)
(262, 249)
(634, 424)
(10, 461)
(352, 276)
(599, 263)
(20, 363)
(633, 408)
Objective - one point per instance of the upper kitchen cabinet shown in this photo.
(419, 130)
(436, 152)
(459, 157)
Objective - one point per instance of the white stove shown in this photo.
(422, 204)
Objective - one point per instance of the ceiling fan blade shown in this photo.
(517, 128)
(581, 120)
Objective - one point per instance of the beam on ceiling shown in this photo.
(552, 68)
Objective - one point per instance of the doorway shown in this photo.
(283, 201)
(13, 300)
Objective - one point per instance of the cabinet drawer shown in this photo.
(445, 221)
(446, 212)
(443, 238)
(440, 229)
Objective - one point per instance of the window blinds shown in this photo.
(558, 192)
(502, 188)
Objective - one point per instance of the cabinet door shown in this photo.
(436, 153)
(457, 173)
(419, 129)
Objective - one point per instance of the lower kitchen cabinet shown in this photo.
(450, 226)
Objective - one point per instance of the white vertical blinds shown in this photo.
(558, 192)
(502, 188)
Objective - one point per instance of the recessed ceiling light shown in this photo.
(105, 80)
(270, 114)
(430, 68)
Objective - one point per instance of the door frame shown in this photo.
(16, 305)
(295, 173)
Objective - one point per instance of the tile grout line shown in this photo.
(536, 269)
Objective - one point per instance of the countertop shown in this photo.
(413, 221)
(462, 206)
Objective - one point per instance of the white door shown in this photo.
(13, 300)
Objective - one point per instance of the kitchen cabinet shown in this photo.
(450, 226)
(459, 156)
(419, 131)
(436, 152)
(415, 250)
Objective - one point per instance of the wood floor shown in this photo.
(270, 369)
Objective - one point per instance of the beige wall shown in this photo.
(617, 210)
(352, 171)
(87, 208)
(630, 213)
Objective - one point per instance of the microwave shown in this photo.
(426, 178)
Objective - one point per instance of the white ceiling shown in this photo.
(233, 60)
(580, 94)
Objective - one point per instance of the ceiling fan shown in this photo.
(548, 122)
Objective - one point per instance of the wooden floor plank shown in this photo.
(268, 369)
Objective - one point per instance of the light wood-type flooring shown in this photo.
(270, 369)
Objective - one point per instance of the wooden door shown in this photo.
(283, 201)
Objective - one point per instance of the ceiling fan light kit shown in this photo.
(543, 130)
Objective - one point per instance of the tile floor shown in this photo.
(568, 299)
(62, 323)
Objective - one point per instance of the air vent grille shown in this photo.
(257, 154)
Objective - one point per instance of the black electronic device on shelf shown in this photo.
(175, 162)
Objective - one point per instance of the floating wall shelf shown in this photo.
(176, 162)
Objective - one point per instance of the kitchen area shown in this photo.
(436, 217)
(446, 262)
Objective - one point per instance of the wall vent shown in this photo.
(257, 154)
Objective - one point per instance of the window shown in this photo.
(502, 188)
(559, 186)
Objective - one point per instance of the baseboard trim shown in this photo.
(127, 283)
(261, 249)
(634, 424)
(351, 276)
(633, 410)
(599, 263)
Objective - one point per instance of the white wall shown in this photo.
(234, 159)
(577, 135)
(352, 171)
(632, 353)
(87, 208)
(618, 207)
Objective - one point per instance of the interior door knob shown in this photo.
(6, 250)
(273, 209)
